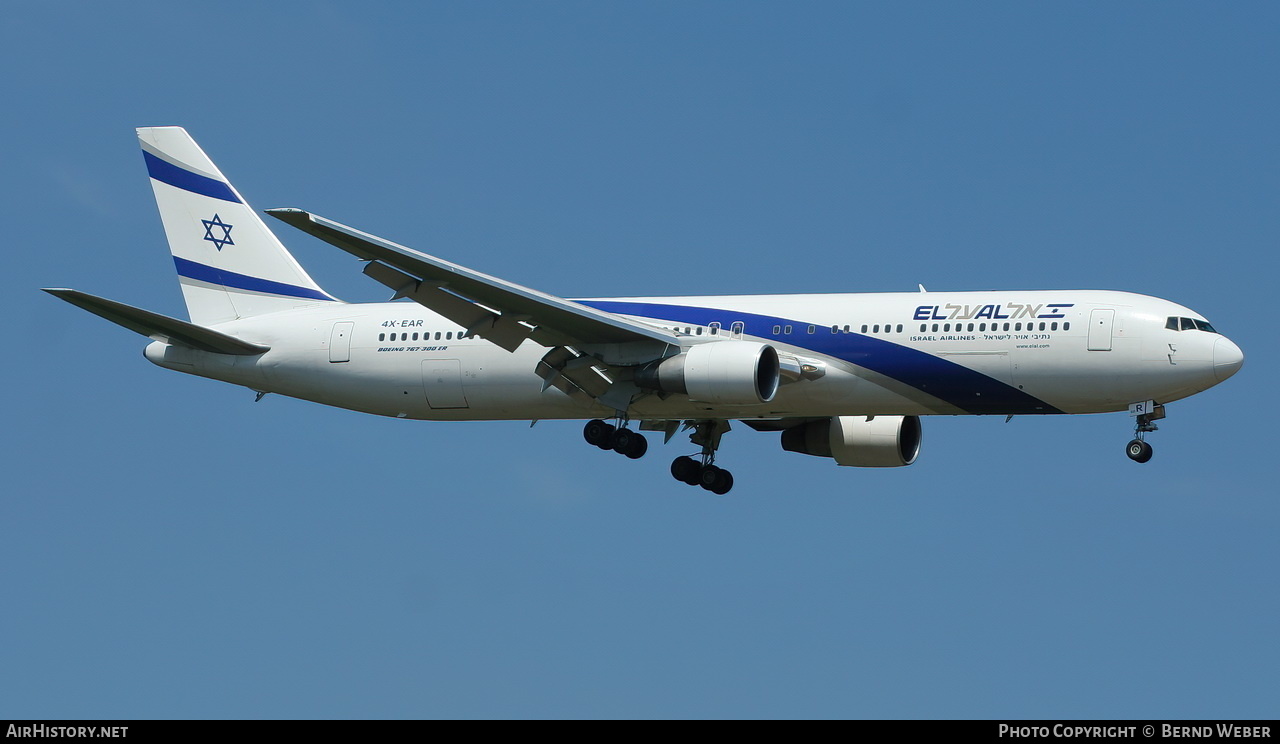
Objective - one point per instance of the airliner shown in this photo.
(841, 376)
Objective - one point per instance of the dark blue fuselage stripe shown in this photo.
(167, 172)
(201, 272)
(956, 384)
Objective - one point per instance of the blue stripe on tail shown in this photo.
(201, 272)
(166, 172)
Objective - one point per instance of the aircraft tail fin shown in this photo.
(229, 263)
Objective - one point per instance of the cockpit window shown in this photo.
(1188, 324)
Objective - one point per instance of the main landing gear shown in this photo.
(620, 439)
(702, 471)
(695, 471)
(1138, 450)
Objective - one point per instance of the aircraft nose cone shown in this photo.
(1227, 358)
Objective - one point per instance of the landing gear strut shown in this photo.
(1138, 450)
(702, 471)
(620, 439)
(695, 471)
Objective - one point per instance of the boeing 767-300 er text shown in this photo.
(844, 376)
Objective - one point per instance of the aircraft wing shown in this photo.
(488, 307)
(159, 327)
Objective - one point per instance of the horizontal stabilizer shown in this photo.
(159, 327)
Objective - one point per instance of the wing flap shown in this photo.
(501, 311)
(159, 327)
(505, 331)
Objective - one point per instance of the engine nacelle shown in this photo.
(726, 372)
(861, 441)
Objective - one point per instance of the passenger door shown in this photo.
(340, 342)
(1100, 322)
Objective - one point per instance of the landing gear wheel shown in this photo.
(716, 480)
(637, 450)
(629, 443)
(1138, 451)
(686, 470)
(599, 433)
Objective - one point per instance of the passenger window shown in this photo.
(715, 329)
(875, 329)
(864, 329)
(812, 329)
(1066, 325)
(846, 329)
(924, 327)
(835, 329)
(777, 330)
(787, 330)
(946, 328)
(382, 336)
(1006, 326)
(1017, 326)
(971, 328)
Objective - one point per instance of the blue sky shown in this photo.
(168, 548)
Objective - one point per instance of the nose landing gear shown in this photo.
(1138, 450)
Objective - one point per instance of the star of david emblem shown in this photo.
(218, 242)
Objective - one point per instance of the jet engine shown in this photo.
(861, 441)
(725, 372)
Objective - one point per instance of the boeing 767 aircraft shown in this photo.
(844, 376)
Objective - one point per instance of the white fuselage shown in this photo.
(999, 352)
